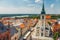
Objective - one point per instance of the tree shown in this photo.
(56, 31)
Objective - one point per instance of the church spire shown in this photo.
(43, 9)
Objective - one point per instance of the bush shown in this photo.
(55, 36)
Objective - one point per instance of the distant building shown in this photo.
(15, 34)
(4, 32)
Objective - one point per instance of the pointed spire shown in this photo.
(43, 5)
(43, 9)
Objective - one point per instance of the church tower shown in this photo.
(43, 27)
(42, 18)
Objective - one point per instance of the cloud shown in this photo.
(27, 6)
(18, 6)
(52, 5)
(52, 11)
(38, 1)
(19, 10)
(27, 10)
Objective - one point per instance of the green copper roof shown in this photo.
(43, 9)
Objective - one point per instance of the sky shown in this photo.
(29, 6)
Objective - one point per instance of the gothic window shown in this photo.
(41, 31)
(41, 34)
(46, 28)
(42, 17)
(38, 27)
